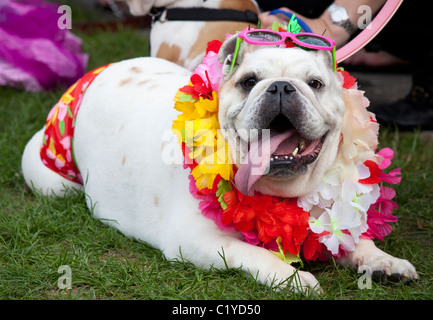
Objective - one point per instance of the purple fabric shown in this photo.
(32, 44)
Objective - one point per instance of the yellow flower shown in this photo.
(206, 105)
(198, 127)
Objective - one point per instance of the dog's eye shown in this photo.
(249, 83)
(315, 84)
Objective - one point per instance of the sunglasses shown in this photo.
(263, 37)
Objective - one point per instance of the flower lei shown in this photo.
(351, 197)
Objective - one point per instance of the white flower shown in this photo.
(341, 216)
(346, 205)
(324, 194)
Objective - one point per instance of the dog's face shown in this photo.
(296, 96)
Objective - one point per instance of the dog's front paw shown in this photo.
(383, 267)
(388, 269)
(306, 282)
(301, 282)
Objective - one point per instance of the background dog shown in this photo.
(184, 42)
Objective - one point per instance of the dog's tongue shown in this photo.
(258, 159)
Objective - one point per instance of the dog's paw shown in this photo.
(301, 282)
(386, 269)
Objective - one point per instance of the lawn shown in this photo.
(38, 235)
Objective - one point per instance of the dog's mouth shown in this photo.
(294, 153)
(284, 154)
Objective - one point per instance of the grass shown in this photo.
(38, 235)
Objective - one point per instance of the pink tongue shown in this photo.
(258, 163)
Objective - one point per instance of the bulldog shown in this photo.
(122, 138)
(184, 42)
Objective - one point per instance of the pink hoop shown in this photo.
(361, 40)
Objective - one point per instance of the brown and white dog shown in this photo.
(184, 42)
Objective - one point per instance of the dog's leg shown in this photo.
(383, 267)
(39, 177)
(205, 246)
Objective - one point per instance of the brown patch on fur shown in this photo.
(241, 5)
(135, 69)
(125, 81)
(143, 82)
(156, 200)
(216, 30)
(123, 160)
(170, 53)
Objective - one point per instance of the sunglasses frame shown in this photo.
(284, 35)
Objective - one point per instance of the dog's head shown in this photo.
(143, 7)
(294, 94)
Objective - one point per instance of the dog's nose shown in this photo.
(281, 87)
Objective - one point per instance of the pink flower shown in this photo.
(394, 176)
(387, 155)
(63, 111)
(210, 70)
(210, 206)
(66, 142)
(380, 214)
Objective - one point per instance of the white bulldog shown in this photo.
(123, 129)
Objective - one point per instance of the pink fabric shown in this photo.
(370, 32)
(34, 52)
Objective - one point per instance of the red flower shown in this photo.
(214, 46)
(199, 88)
(289, 43)
(374, 172)
(269, 217)
(349, 81)
(311, 247)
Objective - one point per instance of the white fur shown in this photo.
(122, 130)
(296, 66)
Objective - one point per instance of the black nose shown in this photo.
(281, 87)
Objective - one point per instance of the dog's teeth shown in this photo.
(295, 152)
(302, 144)
(272, 159)
(286, 157)
(291, 158)
(276, 157)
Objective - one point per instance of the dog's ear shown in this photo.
(226, 55)
(140, 7)
(326, 57)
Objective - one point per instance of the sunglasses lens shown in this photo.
(314, 40)
(261, 36)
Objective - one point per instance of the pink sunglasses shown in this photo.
(270, 37)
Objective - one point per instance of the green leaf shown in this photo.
(185, 97)
(62, 127)
(69, 112)
(293, 25)
(223, 187)
(287, 257)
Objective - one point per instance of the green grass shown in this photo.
(38, 235)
